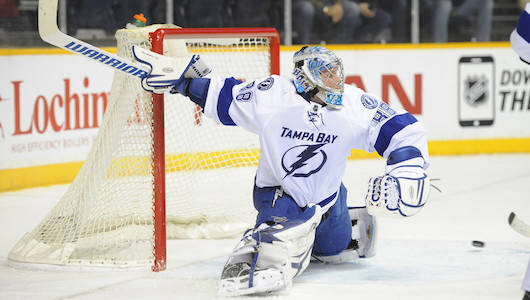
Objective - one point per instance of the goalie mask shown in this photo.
(318, 72)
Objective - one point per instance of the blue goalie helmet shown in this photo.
(318, 72)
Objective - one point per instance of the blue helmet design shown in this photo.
(318, 72)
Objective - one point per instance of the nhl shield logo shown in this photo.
(476, 90)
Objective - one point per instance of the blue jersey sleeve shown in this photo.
(384, 128)
(400, 129)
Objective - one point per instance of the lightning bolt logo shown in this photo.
(309, 152)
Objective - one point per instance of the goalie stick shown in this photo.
(518, 225)
(50, 33)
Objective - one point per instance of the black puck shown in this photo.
(479, 244)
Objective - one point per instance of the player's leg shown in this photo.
(350, 20)
(441, 13)
(270, 255)
(345, 233)
(274, 205)
(333, 235)
(484, 21)
(303, 16)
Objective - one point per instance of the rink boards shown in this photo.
(472, 98)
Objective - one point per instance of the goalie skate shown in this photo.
(236, 277)
(255, 267)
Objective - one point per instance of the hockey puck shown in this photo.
(479, 244)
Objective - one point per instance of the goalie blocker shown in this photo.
(167, 74)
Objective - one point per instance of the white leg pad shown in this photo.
(270, 273)
(269, 257)
(364, 231)
(345, 256)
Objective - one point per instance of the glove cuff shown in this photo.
(403, 154)
(197, 90)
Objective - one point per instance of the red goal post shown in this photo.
(157, 37)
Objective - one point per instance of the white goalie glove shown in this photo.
(167, 74)
(403, 190)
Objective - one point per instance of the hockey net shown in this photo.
(158, 169)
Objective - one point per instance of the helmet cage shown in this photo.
(319, 72)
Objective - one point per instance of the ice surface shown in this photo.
(428, 256)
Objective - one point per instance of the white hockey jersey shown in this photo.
(305, 146)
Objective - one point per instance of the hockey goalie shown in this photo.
(307, 125)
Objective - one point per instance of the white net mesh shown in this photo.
(106, 215)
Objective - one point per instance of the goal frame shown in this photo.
(159, 182)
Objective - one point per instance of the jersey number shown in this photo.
(245, 96)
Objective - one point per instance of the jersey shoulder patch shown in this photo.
(266, 84)
(246, 93)
(368, 101)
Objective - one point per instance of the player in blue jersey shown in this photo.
(307, 126)
(520, 41)
(520, 37)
